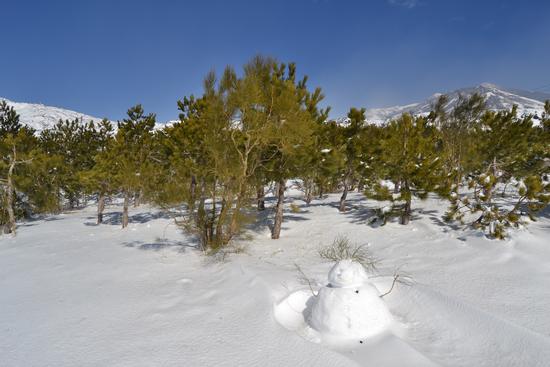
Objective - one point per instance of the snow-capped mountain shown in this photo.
(498, 98)
(41, 117)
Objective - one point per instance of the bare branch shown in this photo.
(306, 279)
(395, 278)
(398, 277)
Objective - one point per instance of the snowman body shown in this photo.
(349, 306)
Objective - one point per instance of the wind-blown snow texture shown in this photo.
(77, 294)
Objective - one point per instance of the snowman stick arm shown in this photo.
(395, 278)
(304, 277)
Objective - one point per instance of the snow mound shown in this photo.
(354, 313)
(346, 311)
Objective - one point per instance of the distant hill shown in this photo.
(498, 98)
(40, 117)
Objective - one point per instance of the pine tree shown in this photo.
(460, 141)
(195, 149)
(243, 132)
(312, 158)
(411, 148)
(351, 135)
(98, 178)
(509, 152)
(16, 149)
(329, 167)
(9, 120)
(75, 143)
(132, 149)
(292, 116)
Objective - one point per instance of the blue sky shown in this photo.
(101, 57)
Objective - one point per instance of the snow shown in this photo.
(349, 307)
(347, 273)
(41, 117)
(77, 294)
(498, 98)
(343, 314)
(350, 314)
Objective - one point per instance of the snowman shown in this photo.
(349, 306)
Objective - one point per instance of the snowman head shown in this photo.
(347, 273)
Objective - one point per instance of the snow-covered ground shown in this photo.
(76, 294)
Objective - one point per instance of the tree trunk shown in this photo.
(342, 207)
(260, 195)
(308, 191)
(201, 220)
(100, 207)
(212, 219)
(137, 198)
(309, 196)
(275, 234)
(202, 198)
(406, 214)
(234, 226)
(192, 193)
(489, 193)
(221, 238)
(10, 197)
(125, 209)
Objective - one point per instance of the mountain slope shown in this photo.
(498, 98)
(41, 117)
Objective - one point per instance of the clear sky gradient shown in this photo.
(101, 57)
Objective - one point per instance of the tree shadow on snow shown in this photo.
(161, 244)
(35, 219)
(115, 218)
(436, 218)
(263, 219)
(544, 213)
